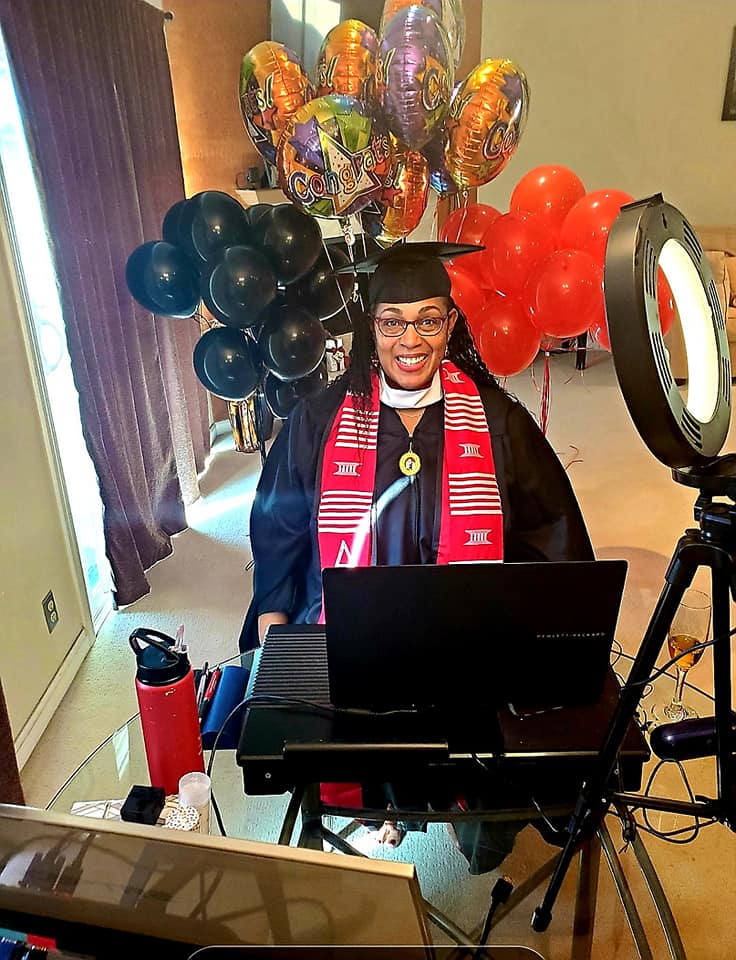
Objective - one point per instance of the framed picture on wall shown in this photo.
(729, 100)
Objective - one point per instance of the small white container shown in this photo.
(195, 790)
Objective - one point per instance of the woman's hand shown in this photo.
(266, 619)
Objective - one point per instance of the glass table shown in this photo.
(695, 877)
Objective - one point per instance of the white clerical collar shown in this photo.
(411, 399)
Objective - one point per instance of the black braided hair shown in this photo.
(461, 349)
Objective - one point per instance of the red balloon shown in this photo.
(467, 294)
(515, 244)
(549, 192)
(564, 295)
(587, 224)
(665, 302)
(468, 224)
(508, 340)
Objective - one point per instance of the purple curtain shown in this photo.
(94, 84)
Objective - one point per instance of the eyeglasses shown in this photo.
(396, 326)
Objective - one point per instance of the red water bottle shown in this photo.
(164, 684)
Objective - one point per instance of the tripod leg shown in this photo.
(585, 899)
(643, 949)
(311, 835)
(292, 811)
(664, 911)
(725, 740)
(593, 801)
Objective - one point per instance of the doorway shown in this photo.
(59, 396)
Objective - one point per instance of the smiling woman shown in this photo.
(414, 456)
(411, 340)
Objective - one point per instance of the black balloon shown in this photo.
(172, 219)
(162, 279)
(239, 287)
(255, 213)
(211, 221)
(291, 342)
(283, 396)
(344, 320)
(226, 362)
(292, 241)
(323, 292)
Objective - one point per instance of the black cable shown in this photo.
(618, 652)
(709, 696)
(509, 781)
(295, 703)
(669, 834)
(218, 815)
(499, 895)
(673, 661)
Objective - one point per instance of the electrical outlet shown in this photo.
(49, 611)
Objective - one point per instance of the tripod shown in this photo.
(712, 544)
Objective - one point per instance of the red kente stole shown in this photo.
(471, 525)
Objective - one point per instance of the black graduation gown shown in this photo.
(541, 517)
(541, 520)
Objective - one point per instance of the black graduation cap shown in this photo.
(408, 272)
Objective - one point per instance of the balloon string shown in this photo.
(463, 216)
(435, 231)
(546, 396)
(260, 431)
(576, 458)
(332, 267)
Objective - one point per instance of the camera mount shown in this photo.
(687, 436)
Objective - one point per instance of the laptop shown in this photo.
(532, 635)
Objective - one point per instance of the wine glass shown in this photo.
(690, 626)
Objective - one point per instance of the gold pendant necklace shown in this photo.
(410, 463)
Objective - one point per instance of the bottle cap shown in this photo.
(158, 662)
(194, 790)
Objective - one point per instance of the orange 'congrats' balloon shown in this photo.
(273, 85)
(347, 60)
(487, 116)
(404, 197)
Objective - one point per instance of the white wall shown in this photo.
(628, 93)
(35, 550)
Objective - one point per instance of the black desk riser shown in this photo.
(548, 753)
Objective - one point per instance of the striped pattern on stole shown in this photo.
(471, 525)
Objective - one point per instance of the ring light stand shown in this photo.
(687, 436)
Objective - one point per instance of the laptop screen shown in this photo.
(471, 635)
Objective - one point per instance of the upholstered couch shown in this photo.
(720, 246)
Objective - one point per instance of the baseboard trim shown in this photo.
(219, 429)
(34, 727)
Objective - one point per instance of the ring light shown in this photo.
(647, 235)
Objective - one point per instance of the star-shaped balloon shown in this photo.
(306, 143)
(355, 130)
(351, 186)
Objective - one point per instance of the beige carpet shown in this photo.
(633, 510)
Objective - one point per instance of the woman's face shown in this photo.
(411, 357)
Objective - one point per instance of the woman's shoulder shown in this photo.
(504, 412)
(318, 409)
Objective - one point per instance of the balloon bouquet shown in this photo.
(382, 127)
(247, 266)
(541, 270)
